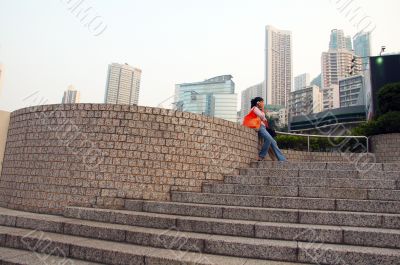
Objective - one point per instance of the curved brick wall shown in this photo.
(99, 154)
(386, 147)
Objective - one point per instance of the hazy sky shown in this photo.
(44, 47)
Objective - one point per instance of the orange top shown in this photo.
(254, 118)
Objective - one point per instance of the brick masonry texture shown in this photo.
(98, 155)
(386, 147)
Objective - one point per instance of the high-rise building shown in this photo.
(339, 41)
(247, 95)
(71, 95)
(305, 101)
(338, 64)
(123, 84)
(278, 66)
(213, 97)
(330, 97)
(301, 81)
(362, 47)
(351, 91)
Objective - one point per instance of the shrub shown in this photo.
(386, 123)
(388, 99)
(387, 119)
(321, 144)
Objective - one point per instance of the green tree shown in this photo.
(387, 119)
(388, 98)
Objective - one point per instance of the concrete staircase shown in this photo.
(271, 214)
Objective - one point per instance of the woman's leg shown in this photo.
(277, 151)
(263, 133)
(272, 154)
(269, 141)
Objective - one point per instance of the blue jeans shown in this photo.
(269, 142)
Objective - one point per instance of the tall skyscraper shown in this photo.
(213, 97)
(123, 84)
(339, 41)
(71, 95)
(337, 64)
(247, 95)
(362, 47)
(301, 81)
(278, 66)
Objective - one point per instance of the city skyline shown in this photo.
(236, 46)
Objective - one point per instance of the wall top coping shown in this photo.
(129, 108)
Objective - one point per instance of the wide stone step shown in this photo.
(250, 189)
(175, 238)
(310, 203)
(186, 233)
(26, 257)
(314, 182)
(299, 191)
(350, 165)
(122, 253)
(262, 201)
(340, 254)
(106, 252)
(371, 204)
(362, 219)
(320, 173)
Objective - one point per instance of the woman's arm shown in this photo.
(259, 113)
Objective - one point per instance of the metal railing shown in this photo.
(324, 136)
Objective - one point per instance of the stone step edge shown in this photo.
(25, 257)
(59, 226)
(311, 178)
(335, 201)
(386, 220)
(318, 169)
(345, 177)
(300, 186)
(295, 162)
(274, 196)
(256, 208)
(89, 249)
(116, 252)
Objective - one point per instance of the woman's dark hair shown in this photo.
(255, 100)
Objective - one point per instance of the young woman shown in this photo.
(257, 113)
